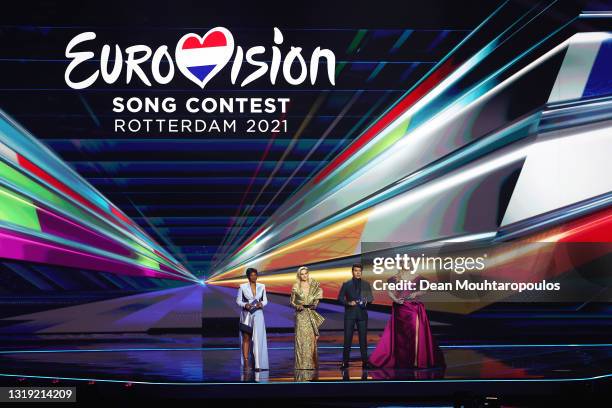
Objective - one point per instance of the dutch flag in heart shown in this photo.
(200, 58)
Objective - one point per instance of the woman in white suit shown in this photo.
(252, 299)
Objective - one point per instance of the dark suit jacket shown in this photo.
(348, 292)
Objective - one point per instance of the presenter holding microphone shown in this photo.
(251, 298)
(355, 295)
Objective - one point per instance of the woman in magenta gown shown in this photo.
(406, 341)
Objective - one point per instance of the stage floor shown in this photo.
(191, 359)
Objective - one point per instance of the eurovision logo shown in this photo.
(198, 58)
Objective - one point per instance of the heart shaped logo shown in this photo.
(200, 58)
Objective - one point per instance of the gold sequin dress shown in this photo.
(307, 323)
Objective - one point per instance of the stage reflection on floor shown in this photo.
(194, 359)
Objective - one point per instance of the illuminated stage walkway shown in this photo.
(191, 359)
(137, 366)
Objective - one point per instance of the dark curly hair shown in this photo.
(249, 271)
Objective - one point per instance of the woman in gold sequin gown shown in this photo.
(305, 296)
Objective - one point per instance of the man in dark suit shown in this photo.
(355, 295)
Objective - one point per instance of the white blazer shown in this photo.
(245, 290)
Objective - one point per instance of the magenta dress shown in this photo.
(406, 341)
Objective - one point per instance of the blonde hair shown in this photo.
(298, 281)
